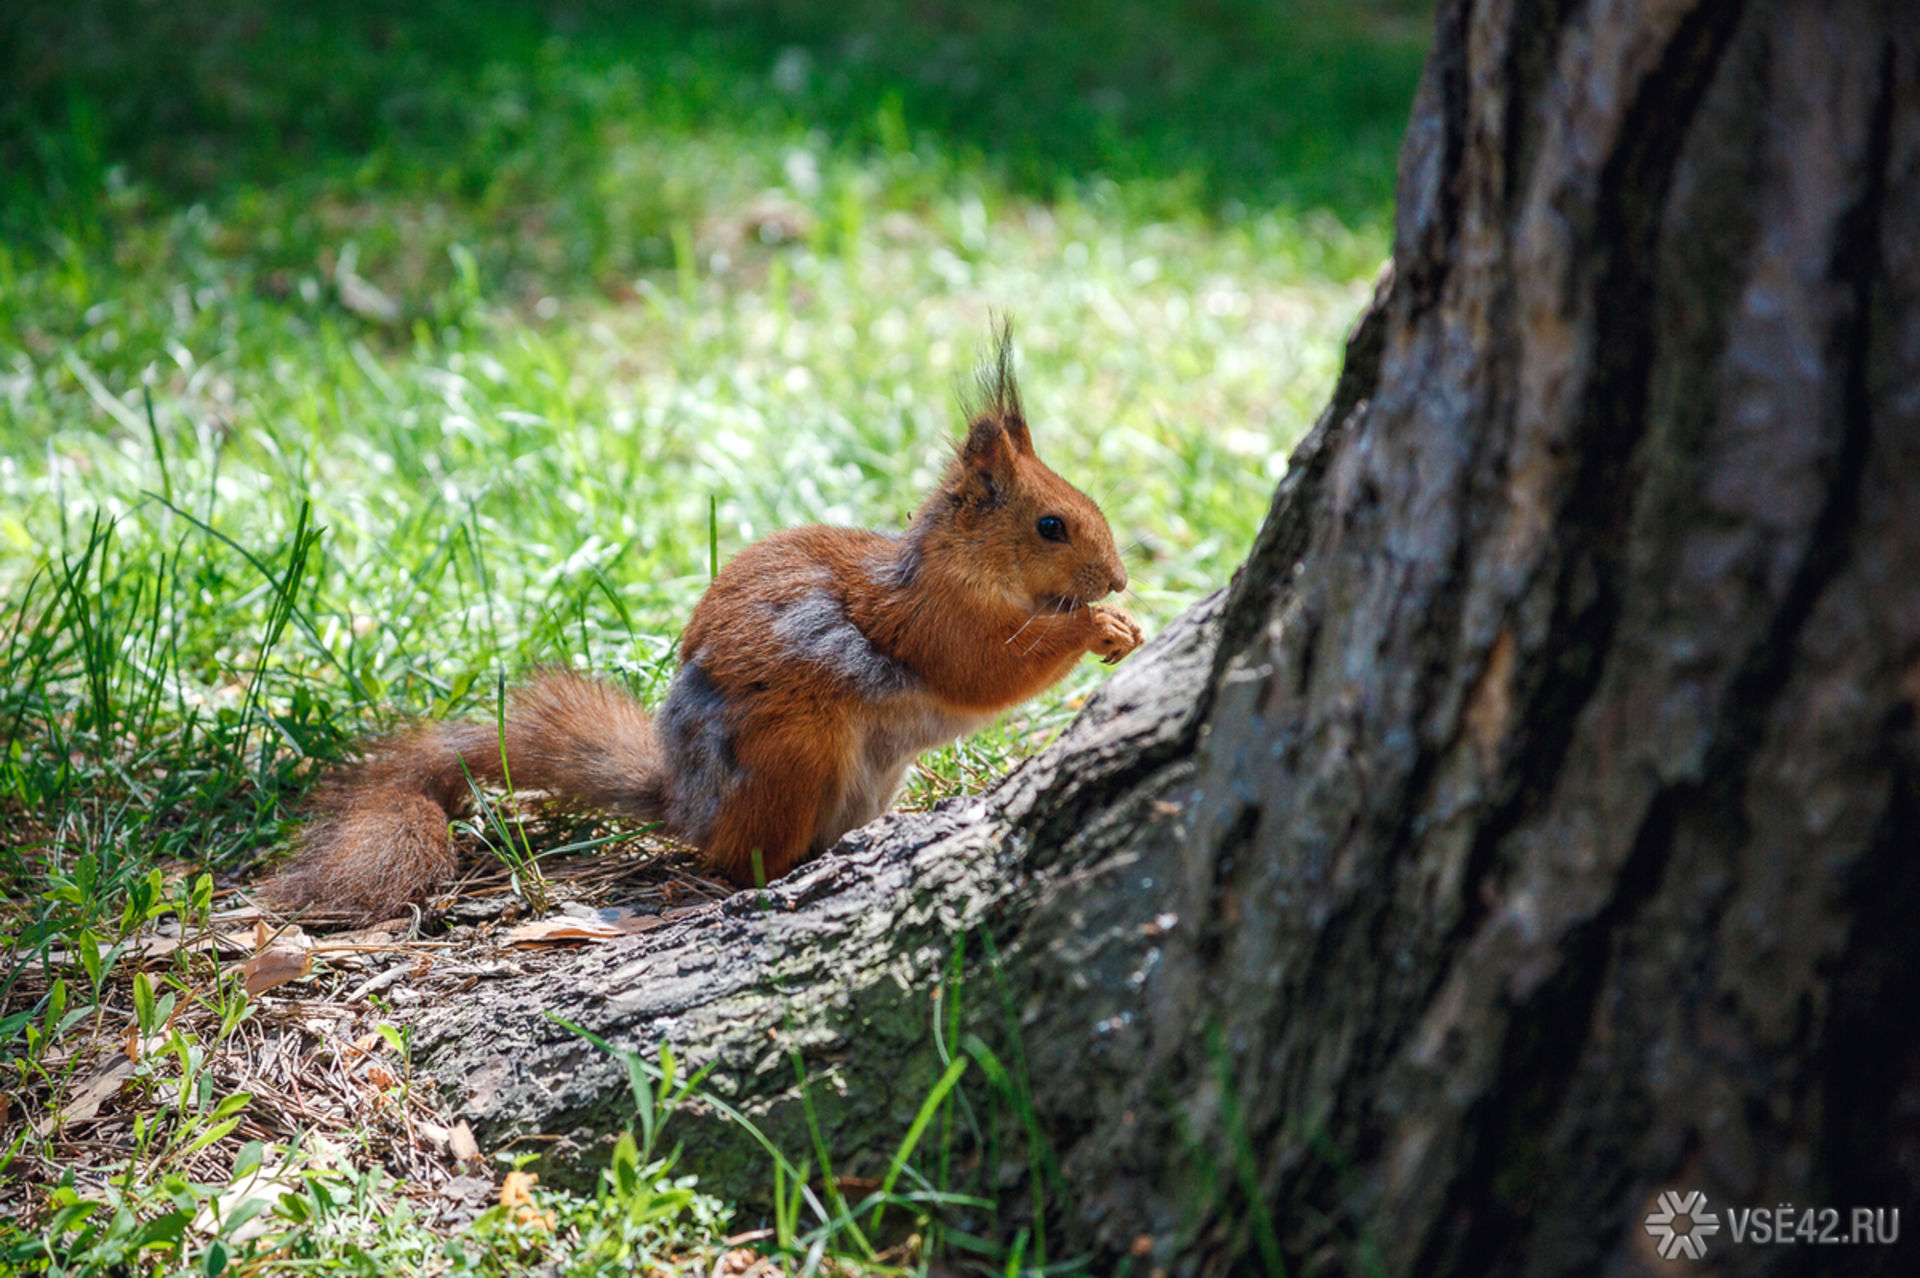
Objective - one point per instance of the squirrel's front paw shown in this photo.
(1116, 633)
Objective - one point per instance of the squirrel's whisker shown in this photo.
(1059, 607)
(1031, 618)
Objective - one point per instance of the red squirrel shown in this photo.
(816, 668)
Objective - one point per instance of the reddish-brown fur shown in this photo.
(817, 666)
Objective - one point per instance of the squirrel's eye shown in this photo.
(1052, 527)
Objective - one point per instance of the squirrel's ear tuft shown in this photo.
(997, 437)
(998, 396)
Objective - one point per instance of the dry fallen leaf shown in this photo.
(737, 1263)
(466, 1196)
(287, 959)
(516, 1195)
(368, 936)
(460, 1140)
(86, 1102)
(564, 929)
(517, 1189)
(555, 931)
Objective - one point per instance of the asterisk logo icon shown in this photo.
(1694, 1224)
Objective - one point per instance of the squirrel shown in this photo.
(819, 664)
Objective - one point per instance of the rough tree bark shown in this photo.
(1532, 824)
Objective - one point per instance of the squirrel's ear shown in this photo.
(986, 461)
(1016, 428)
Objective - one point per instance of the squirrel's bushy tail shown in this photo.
(378, 839)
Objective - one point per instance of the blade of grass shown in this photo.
(931, 1103)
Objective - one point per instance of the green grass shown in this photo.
(352, 360)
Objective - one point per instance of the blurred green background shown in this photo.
(1214, 105)
(353, 355)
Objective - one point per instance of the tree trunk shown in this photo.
(1531, 826)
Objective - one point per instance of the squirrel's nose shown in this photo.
(1117, 579)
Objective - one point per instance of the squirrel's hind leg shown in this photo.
(770, 818)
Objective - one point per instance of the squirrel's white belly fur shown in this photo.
(913, 724)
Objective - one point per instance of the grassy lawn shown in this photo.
(356, 357)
